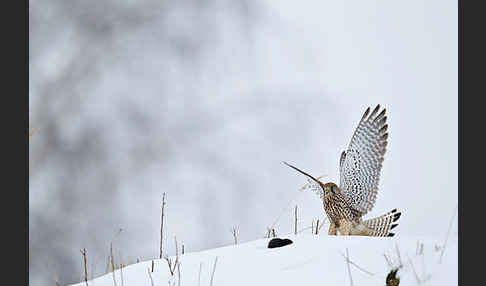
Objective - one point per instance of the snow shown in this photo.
(309, 260)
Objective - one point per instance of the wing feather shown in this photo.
(341, 161)
(360, 165)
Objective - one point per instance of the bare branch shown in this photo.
(349, 269)
(399, 257)
(323, 222)
(295, 224)
(113, 272)
(214, 270)
(235, 232)
(112, 260)
(356, 265)
(178, 273)
(169, 263)
(83, 252)
(414, 272)
(271, 232)
(121, 274)
(162, 225)
(388, 260)
(447, 237)
(150, 275)
(199, 277)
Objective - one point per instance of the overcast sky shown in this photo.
(204, 100)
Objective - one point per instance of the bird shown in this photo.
(359, 168)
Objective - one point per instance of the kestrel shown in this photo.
(359, 169)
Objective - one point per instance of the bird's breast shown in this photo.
(337, 209)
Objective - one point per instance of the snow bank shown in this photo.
(309, 260)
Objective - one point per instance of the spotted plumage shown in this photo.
(359, 167)
(337, 206)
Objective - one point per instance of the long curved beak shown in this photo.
(302, 172)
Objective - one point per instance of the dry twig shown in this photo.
(447, 237)
(295, 223)
(349, 269)
(111, 257)
(162, 225)
(234, 231)
(419, 282)
(398, 256)
(388, 260)
(199, 277)
(150, 275)
(214, 270)
(169, 263)
(83, 252)
(323, 222)
(271, 232)
(113, 272)
(178, 273)
(121, 274)
(356, 265)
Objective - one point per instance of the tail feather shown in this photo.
(382, 225)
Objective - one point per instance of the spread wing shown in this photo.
(360, 165)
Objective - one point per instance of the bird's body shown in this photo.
(360, 166)
(338, 211)
(337, 208)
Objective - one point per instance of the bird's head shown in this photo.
(327, 188)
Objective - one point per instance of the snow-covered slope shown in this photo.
(310, 260)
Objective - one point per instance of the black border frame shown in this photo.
(15, 125)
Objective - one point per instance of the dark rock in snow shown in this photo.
(278, 242)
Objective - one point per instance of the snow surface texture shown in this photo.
(309, 260)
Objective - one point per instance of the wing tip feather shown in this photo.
(365, 114)
(374, 111)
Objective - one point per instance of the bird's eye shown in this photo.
(332, 189)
